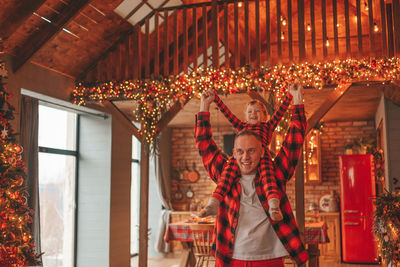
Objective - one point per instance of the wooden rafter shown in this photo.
(116, 113)
(46, 33)
(393, 92)
(169, 115)
(12, 20)
(330, 101)
(257, 96)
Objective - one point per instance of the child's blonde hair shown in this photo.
(262, 107)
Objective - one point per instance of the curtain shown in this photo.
(162, 163)
(29, 141)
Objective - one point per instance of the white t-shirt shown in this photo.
(255, 239)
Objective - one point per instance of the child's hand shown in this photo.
(206, 99)
(296, 90)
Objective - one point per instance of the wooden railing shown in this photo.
(256, 32)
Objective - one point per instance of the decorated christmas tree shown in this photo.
(16, 243)
(387, 226)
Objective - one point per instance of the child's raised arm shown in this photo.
(236, 123)
(276, 118)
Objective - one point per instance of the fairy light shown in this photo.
(154, 97)
(376, 28)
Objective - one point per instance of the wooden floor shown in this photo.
(173, 261)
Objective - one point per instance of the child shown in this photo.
(255, 116)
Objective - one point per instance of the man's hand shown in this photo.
(211, 209)
(206, 99)
(296, 90)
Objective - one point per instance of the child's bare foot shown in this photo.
(276, 214)
(274, 210)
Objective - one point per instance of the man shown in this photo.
(244, 234)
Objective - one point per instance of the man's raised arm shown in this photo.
(289, 154)
(213, 159)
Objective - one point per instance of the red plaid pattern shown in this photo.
(265, 131)
(284, 165)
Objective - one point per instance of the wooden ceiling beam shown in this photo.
(256, 96)
(330, 101)
(17, 15)
(121, 117)
(393, 92)
(47, 32)
(170, 114)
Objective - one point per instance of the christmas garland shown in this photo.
(387, 226)
(154, 97)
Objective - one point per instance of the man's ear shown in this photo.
(262, 151)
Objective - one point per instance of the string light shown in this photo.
(155, 97)
(376, 28)
(308, 27)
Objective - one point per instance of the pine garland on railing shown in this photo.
(153, 97)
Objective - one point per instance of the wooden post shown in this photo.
(383, 27)
(185, 42)
(205, 39)
(390, 30)
(132, 54)
(226, 35)
(215, 34)
(147, 55)
(258, 44)
(139, 50)
(289, 21)
(267, 29)
(166, 44)
(195, 39)
(359, 28)
(335, 28)
(396, 25)
(246, 33)
(312, 18)
(144, 204)
(347, 22)
(176, 43)
(156, 45)
(324, 32)
(278, 27)
(371, 28)
(237, 47)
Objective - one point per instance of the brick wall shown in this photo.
(184, 151)
(333, 140)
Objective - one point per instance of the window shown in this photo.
(135, 196)
(57, 178)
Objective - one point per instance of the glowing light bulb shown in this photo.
(308, 27)
(376, 28)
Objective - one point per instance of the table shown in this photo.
(314, 233)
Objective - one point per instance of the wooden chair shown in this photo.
(202, 241)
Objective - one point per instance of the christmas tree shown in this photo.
(16, 243)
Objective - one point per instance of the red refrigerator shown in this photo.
(357, 187)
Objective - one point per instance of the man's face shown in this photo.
(248, 152)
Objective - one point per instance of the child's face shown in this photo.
(254, 114)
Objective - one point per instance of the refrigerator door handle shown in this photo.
(351, 211)
(351, 223)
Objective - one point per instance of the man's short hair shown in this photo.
(248, 132)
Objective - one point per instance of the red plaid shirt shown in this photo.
(285, 162)
(263, 129)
